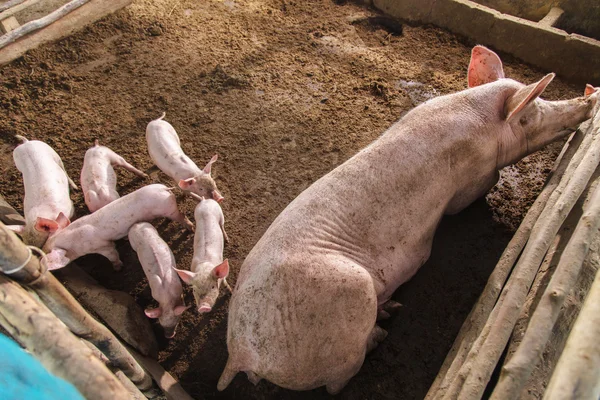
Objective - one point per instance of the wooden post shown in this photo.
(9, 215)
(50, 341)
(16, 259)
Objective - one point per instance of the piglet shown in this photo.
(96, 233)
(98, 179)
(208, 269)
(165, 150)
(46, 190)
(159, 266)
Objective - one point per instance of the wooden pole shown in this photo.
(477, 370)
(516, 372)
(24, 29)
(568, 160)
(9, 215)
(50, 341)
(16, 259)
(577, 374)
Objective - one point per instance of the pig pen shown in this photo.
(283, 91)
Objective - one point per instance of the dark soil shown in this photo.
(283, 91)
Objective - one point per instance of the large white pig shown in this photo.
(208, 271)
(46, 190)
(165, 150)
(303, 313)
(98, 179)
(96, 233)
(158, 263)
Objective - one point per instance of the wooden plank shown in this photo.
(10, 4)
(74, 21)
(172, 389)
(15, 9)
(9, 24)
(9, 215)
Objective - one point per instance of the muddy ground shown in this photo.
(283, 91)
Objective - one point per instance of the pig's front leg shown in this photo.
(387, 309)
(182, 219)
(110, 252)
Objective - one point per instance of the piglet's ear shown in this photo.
(589, 90)
(206, 169)
(17, 228)
(185, 276)
(56, 259)
(46, 225)
(62, 220)
(186, 183)
(221, 270)
(485, 67)
(523, 97)
(180, 309)
(153, 312)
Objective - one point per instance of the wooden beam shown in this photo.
(9, 24)
(16, 8)
(74, 21)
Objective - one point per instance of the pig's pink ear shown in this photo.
(485, 67)
(186, 183)
(180, 309)
(185, 276)
(206, 169)
(589, 90)
(524, 96)
(221, 270)
(46, 225)
(62, 220)
(56, 259)
(153, 312)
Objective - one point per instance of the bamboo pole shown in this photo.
(566, 163)
(22, 4)
(516, 372)
(50, 341)
(577, 373)
(29, 27)
(477, 370)
(10, 4)
(16, 259)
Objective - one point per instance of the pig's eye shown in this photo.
(523, 121)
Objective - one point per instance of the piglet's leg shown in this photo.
(111, 253)
(182, 219)
(124, 164)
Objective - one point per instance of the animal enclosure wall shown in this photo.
(283, 91)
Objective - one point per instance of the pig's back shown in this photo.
(97, 173)
(165, 150)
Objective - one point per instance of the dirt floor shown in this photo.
(283, 91)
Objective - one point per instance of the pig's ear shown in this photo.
(525, 96)
(186, 183)
(46, 225)
(17, 228)
(180, 309)
(56, 259)
(221, 270)
(62, 220)
(153, 312)
(485, 67)
(206, 169)
(185, 276)
(589, 90)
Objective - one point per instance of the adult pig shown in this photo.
(46, 190)
(208, 270)
(96, 233)
(165, 150)
(306, 300)
(98, 179)
(158, 263)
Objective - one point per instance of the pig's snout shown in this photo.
(169, 332)
(204, 308)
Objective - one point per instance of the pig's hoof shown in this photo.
(118, 266)
(252, 377)
(382, 314)
(377, 335)
(335, 387)
(391, 307)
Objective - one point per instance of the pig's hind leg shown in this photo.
(110, 252)
(182, 219)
